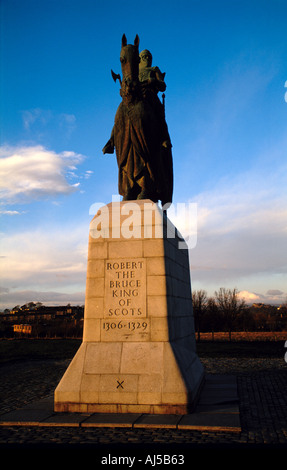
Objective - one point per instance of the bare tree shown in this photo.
(212, 310)
(230, 305)
(199, 302)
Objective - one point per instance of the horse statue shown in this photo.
(140, 136)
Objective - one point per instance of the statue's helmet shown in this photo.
(145, 58)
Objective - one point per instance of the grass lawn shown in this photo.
(37, 349)
(57, 349)
(241, 349)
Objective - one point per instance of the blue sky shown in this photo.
(225, 64)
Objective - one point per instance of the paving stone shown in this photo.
(65, 419)
(211, 422)
(24, 417)
(157, 421)
(112, 420)
(218, 408)
(216, 397)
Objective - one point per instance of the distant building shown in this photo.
(25, 329)
(37, 320)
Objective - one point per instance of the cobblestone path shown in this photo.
(262, 386)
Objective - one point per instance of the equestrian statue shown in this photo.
(140, 135)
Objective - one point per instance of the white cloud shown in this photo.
(7, 212)
(36, 115)
(275, 292)
(250, 297)
(46, 266)
(88, 174)
(13, 297)
(242, 228)
(272, 296)
(43, 122)
(42, 257)
(67, 123)
(39, 261)
(34, 172)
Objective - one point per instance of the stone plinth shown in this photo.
(138, 353)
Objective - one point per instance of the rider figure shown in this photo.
(152, 76)
(152, 81)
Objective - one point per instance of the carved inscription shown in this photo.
(129, 325)
(120, 384)
(125, 330)
(125, 289)
(125, 301)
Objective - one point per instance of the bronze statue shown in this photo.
(140, 135)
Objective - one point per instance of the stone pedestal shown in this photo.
(138, 353)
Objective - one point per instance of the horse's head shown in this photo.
(130, 66)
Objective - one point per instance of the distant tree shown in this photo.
(212, 315)
(199, 302)
(16, 308)
(283, 314)
(284, 321)
(31, 305)
(247, 320)
(260, 320)
(230, 305)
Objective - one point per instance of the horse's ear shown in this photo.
(137, 41)
(124, 40)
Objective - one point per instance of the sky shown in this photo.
(226, 110)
